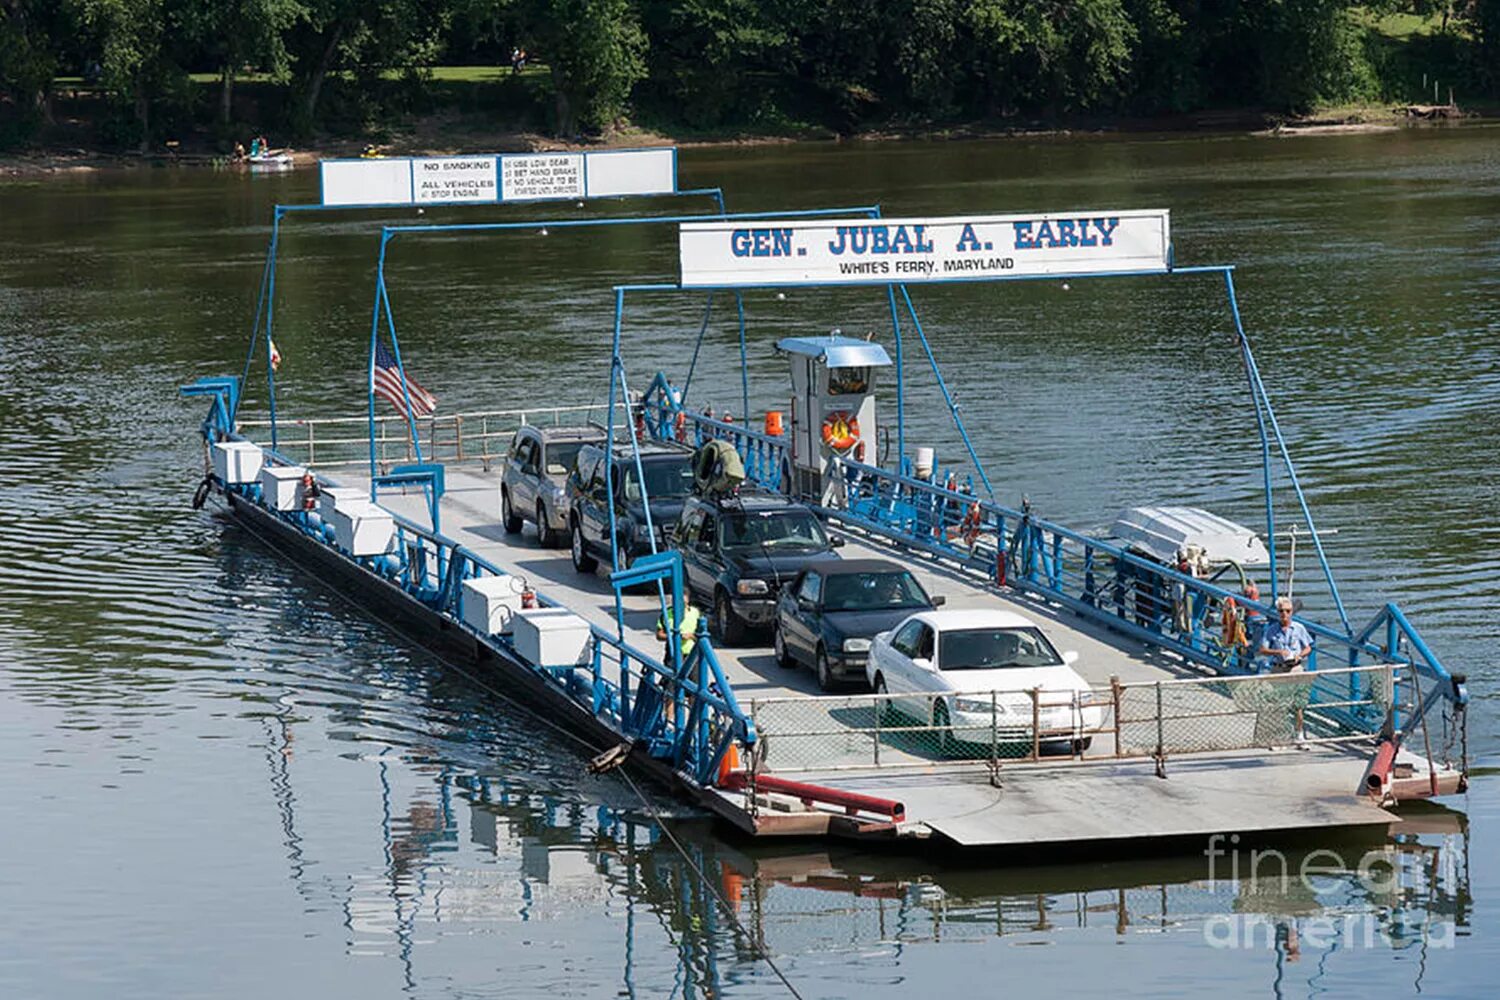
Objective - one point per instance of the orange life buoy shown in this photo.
(969, 526)
(841, 430)
(1232, 635)
(679, 426)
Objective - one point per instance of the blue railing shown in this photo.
(666, 419)
(1117, 588)
(689, 719)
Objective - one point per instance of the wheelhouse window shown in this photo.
(995, 649)
(851, 381)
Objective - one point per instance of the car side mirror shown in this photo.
(939, 601)
(1070, 657)
(806, 604)
(835, 542)
(921, 663)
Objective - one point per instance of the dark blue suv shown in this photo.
(739, 548)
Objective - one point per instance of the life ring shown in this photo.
(841, 430)
(1232, 634)
(200, 495)
(968, 528)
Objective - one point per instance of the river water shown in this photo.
(220, 779)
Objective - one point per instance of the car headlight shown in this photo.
(974, 705)
(753, 587)
(856, 645)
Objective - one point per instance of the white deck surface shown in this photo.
(1062, 801)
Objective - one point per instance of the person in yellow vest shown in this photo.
(691, 617)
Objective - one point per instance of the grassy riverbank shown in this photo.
(484, 109)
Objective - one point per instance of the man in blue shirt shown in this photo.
(1288, 644)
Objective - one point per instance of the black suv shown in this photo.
(668, 469)
(737, 551)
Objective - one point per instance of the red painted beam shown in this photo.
(1378, 777)
(852, 802)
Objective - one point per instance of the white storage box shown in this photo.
(237, 462)
(362, 529)
(490, 601)
(329, 497)
(281, 486)
(550, 637)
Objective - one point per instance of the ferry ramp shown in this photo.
(1227, 787)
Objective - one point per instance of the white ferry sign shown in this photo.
(877, 251)
(492, 178)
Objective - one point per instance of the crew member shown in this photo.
(691, 618)
(1288, 645)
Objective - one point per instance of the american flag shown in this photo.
(388, 386)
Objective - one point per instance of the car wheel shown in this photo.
(825, 674)
(940, 722)
(508, 517)
(582, 561)
(784, 658)
(1080, 746)
(731, 630)
(883, 707)
(544, 532)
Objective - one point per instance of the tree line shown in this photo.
(751, 65)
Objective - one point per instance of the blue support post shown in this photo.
(947, 396)
(374, 339)
(609, 456)
(270, 326)
(1286, 455)
(739, 304)
(890, 292)
(1265, 440)
(260, 308)
(708, 309)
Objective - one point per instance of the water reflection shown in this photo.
(470, 852)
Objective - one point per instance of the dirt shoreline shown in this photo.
(431, 138)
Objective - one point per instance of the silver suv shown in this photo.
(531, 487)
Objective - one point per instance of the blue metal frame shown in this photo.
(1266, 417)
(1051, 561)
(264, 320)
(430, 568)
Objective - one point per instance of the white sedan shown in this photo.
(971, 674)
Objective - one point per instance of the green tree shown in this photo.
(142, 45)
(31, 34)
(236, 33)
(595, 50)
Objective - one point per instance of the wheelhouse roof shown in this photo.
(836, 351)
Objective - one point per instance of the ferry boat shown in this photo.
(1179, 735)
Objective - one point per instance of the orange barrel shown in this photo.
(773, 423)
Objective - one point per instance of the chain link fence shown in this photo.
(1153, 719)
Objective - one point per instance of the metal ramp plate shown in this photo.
(1073, 804)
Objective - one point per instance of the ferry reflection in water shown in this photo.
(467, 853)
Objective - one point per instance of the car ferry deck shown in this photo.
(1178, 736)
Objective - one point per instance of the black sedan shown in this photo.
(829, 614)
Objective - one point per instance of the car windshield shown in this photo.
(994, 649)
(875, 591)
(664, 479)
(772, 529)
(561, 455)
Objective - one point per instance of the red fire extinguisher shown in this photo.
(528, 597)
